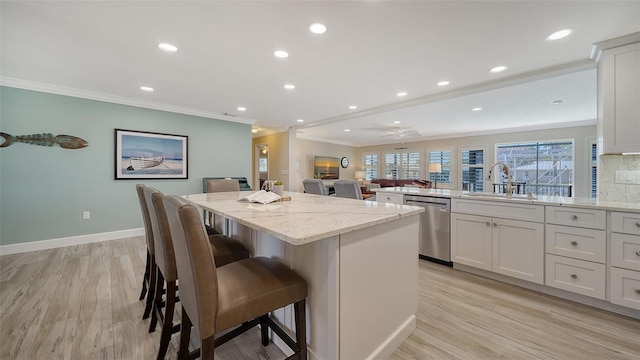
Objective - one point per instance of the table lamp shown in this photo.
(435, 168)
(360, 176)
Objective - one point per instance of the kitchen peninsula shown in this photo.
(581, 249)
(358, 257)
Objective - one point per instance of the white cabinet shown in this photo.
(618, 99)
(471, 240)
(576, 243)
(624, 272)
(499, 244)
(389, 198)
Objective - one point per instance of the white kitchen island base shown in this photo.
(363, 287)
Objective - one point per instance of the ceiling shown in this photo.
(371, 51)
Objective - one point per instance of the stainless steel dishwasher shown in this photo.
(435, 239)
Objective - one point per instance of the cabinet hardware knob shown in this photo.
(495, 224)
(637, 291)
(574, 243)
(574, 276)
(487, 223)
(574, 217)
(638, 224)
(638, 252)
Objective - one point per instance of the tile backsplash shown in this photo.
(608, 189)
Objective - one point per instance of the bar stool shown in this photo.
(149, 278)
(239, 295)
(224, 250)
(219, 185)
(348, 189)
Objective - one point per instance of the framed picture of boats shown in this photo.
(147, 155)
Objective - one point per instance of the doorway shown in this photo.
(262, 165)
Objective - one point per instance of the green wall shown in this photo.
(44, 190)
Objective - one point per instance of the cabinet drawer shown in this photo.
(578, 276)
(389, 198)
(578, 243)
(587, 218)
(501, 209)
(626, 223)
(625, 251)
(625, 288)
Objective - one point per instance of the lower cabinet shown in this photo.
(578, 276)
(509, 247)
(390, 198)
(625, 287)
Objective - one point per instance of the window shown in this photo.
(442, 157)
(542, 168)
(402, 165)
(370, 165)
(262, 164)
(472, 166)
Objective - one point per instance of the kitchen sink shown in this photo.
(500, 196)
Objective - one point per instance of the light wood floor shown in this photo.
(81, 302)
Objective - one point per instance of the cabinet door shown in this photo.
(518, 249)
(471, 240)
(620, 93)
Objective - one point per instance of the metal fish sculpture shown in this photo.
(65, 141)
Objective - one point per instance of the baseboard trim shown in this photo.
(68, 241)
(390, 345)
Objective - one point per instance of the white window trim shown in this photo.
(364, 154)
(382, 164)
(484, 164)
(454, 165)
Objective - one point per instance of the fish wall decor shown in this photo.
(65, 141)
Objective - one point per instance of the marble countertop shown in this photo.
(304, 219)
(539, 199)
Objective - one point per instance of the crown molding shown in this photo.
(90, 95)
(599, 47)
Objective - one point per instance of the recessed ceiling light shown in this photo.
(397, 122)
(254, 130)
(241, 108)
(556, 102)
(318, 28)
(443, 83)
(559, 34)
(167, 47)
(281, 54)
(289, 86)
(476, 109)
(347, 130)
(353, 107)
(498, 69)
(146, 88)
(402, 93)
(300, 120)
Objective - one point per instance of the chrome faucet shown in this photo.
(507, 171)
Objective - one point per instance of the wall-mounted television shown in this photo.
(326, 168)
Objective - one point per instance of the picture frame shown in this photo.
(150, 155)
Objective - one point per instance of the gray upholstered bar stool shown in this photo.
(219, 185)
(347, 189)
(149, 278)
(224, 250)
(314, 186)
(236, 296)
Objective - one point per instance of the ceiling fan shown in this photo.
(402, 133)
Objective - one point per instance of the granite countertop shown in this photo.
(304, 219)
(539, 199)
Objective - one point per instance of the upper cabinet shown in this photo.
(619, 95)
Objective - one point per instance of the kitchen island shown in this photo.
(358, 257)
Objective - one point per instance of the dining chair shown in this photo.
(149, 278)
(347, 189)
(224, 250)
(219, 185)
(237, 296)
(314, 186)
